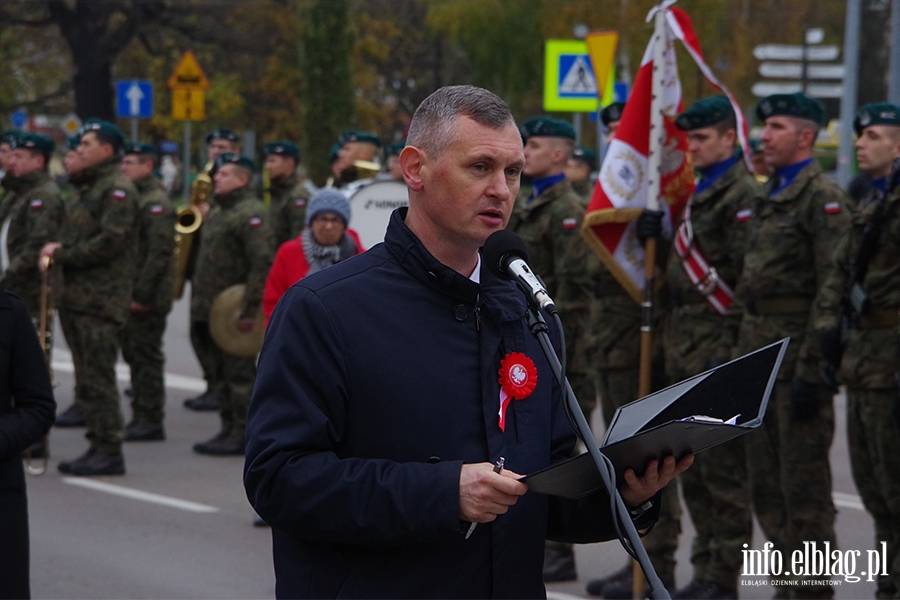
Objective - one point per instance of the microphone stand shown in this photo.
(621, 514)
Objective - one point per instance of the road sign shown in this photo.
(569, 81)
(814, 90)
(792, 70)
(134, 99)
(789, 52)
(19, 118)
(188, 105)
(188, 75)
(602, 50)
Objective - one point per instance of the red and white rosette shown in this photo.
(518, 378)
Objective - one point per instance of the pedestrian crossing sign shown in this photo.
(569, 81)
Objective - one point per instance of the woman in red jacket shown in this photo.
(324, 242)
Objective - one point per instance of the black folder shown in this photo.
(688, 417)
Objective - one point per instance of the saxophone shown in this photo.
(187, 222)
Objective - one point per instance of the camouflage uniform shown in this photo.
(584, 188)
(698, 338)
(36, 213)
(791, 237)
(288, 209)
(97, 259)
(236, 247)
(868, 369)
(142, 337)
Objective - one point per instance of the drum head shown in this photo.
(371, 207)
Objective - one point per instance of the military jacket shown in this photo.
(871, 356)
(288, 209)
(790, 253)
(585, 189)
(99, 243)
(36, 213)
(719, 216)
(236, 247)
(156, 247)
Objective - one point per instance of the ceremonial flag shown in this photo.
(621, 190)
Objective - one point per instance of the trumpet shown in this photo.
(188, 221)
(45, 339)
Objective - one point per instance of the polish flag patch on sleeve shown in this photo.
(743, 215)
(570, 223)
(832, 208)
(255, 222)
(119, 195)
(156, 209)
(299, 203)
(36, 204)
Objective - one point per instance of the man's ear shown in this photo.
(413, 162)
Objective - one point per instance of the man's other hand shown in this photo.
(637, 490)
(484, 494)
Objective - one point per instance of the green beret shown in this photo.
(282, 148)
(9, 137)
(546, 127)
(351, 135)
(611, 113)
(141, 148)
(35, 141)
(587, 156)
(395, 148)
(705, 112)
(73, 141)
(230, 158)
(104, 128)
(796, 105)
(878, 113)
(333, 154)
(222, 134)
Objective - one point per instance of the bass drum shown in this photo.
(371, 206)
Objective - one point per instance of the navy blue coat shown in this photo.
(377, 381)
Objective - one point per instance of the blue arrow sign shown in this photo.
(19, 118)
(135, 99)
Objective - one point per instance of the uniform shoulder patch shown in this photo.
(36, 204)
(570, 223)
(156, 209)
(119, 195)
(255, 222)
(832, 208)
(299, 203)
(743, 215)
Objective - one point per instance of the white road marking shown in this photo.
(847, 500)
(561, 596)
(118, 490)
(62, 362)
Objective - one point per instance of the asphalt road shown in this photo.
(178, 525)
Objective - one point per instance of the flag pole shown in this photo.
(653, 182)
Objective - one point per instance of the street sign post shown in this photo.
(569, 81)
(134, 100)
(19, 118)
(188, 84)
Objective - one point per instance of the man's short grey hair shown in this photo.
(432, 127)
(801, 125)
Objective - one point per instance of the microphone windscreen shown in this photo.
(498, 250)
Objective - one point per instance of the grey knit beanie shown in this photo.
(328, 200)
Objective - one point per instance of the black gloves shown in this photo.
(649, 225)
(806, 398)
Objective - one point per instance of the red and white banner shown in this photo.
(621, 191)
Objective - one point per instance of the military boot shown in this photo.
(222, 444)
(208, 400)
(94, 462)
(142, 431)
(595, 586)
(71, 417)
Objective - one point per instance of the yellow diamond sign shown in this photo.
(188, 75)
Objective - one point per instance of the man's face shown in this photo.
(134, 169)
(217, 147)
(25, 161)
(280, 166)
(577, 170)
(92, 151)
(611, 130)
(72, 162)
(781, 139)
(352, 152)
(876, 148)
(5, 156)
(542, 157)
(468, 192)
(327, 228)
(708, 147)
(229, 178)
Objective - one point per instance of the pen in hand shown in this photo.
(498, 468)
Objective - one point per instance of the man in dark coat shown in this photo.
(26, 413)
(377, 411)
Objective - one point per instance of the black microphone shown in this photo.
(506, 257)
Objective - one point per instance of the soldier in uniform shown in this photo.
(354, 146)
(29, 218)
(142, 337)
(791, 237)
(96, 252)
(578, 172)
(701, 332)
(236, 248)
(8, 183)
(549, 221)
(219, 142)
(289, 195)
(870, 364)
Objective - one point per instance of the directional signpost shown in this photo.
(805, 71)
(134, 101)
(188, 84)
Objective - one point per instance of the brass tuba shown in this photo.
(40, 451)
(187, 222)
